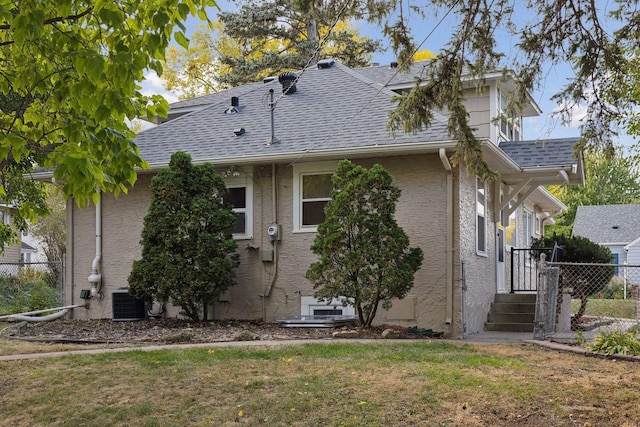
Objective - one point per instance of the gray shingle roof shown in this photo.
(390, 76)
(608, 223)
(333, 109)
(554, 152)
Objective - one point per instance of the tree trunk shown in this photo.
(575, 320)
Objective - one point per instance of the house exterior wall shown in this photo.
(479, 108)
(421, 211)
(11, 252)
(478, 272)
(620, 252)
(478, 105)
(633, 254)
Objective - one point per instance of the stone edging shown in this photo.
(581, 350)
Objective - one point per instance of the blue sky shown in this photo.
(435, 37)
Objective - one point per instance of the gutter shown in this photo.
(292, 157)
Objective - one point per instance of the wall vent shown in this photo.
(125, 307)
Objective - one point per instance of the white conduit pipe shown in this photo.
(26, 315)
(95, 278)
(449, 254)
(40, 318)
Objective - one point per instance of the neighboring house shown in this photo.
(615, 226)
(11, 253)
(273, 157)
(27, 252)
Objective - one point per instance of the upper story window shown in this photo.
(311, 192)
(481, 217)
(510, 124)
(240, 195)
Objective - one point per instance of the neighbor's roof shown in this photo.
(25, 247)
(334, 112)
(608, 224)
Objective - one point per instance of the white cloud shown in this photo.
(155, 85)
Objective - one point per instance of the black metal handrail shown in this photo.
(524, 266)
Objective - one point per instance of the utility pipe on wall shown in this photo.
(274, 242)
(449, 250)
(95, 278)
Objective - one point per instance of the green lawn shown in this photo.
(619, 308)
(425, 383)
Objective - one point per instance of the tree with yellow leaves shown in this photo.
(263, 39)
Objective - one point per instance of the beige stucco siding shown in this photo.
(421, 211)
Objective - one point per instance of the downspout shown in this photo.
(95, 278)
(449, 250)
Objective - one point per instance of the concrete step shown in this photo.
(515, 298)
(511, 317)
(518, 307)
(508, 327)
(512, 313)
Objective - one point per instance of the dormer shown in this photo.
(507, 124)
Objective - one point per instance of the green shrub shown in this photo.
(17, 296)
(616, 342)
(614, 290)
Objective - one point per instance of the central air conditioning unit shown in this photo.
(127, 308)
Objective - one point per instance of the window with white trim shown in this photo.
(529, 227)
(509, 224)
(481, 217)
(311, 192)
(510, 123)
(240, 195)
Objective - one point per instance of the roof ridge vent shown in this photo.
(288, 81)
(325, 63)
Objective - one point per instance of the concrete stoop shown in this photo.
(512, 313)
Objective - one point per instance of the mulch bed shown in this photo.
(174, 331)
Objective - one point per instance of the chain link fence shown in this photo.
(604, 297)
(30, 286)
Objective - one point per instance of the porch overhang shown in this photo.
(526, 182)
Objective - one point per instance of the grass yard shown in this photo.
(619, 308)
(422, 383)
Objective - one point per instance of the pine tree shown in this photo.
(188, 252)
(365, 258)
(281, 35)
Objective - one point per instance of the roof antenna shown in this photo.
(272, 107)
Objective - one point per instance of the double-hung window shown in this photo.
(481, 217)
(240, 195)
(311, 193)
(510, 123)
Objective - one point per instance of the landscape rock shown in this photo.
(390, 334)
(346, 334)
